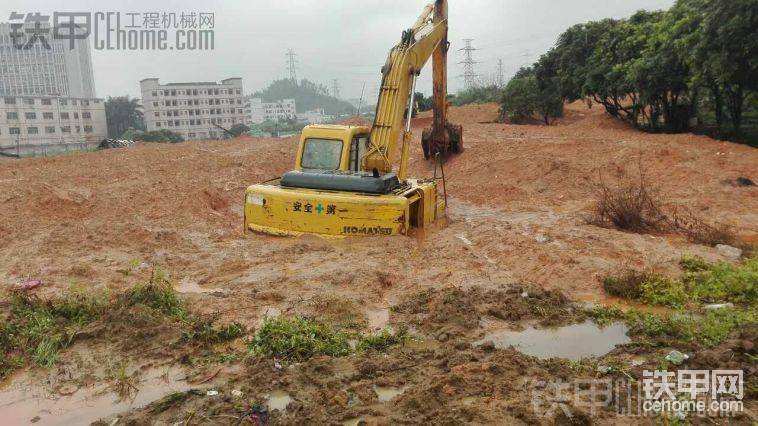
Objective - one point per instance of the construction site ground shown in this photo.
(516, 237)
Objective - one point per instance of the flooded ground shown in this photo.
(572, 342)
(41, 402)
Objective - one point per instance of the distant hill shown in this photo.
(307, 96)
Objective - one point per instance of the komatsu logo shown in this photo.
(366, 230)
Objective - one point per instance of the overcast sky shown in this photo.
(347, 40)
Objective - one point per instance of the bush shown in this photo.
(157, 294)
(628, 285)
(631, 206)
(660, 290)
(519, 100)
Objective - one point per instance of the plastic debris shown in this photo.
(715, 306)
(212, 392)
(676, 357)
(465, 240)
(257, 415)
(237, 393)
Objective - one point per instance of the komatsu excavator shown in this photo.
(344, 183)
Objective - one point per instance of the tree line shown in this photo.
(694, 65)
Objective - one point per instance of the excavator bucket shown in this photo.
(449, 142)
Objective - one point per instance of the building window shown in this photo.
(76, 115)
(28, 101)
(158, 124)
(157, 114)
(49, 129)
(47, 115)
(64, 116)
(155, 94)
(87, 115)
(11, 116)
(87, 129)
(66, 129)
(10, 101)
(155, 104)
(78, 129)
(14, 130)
(46, 102)
(73, 102)
(85, 103)
(30, 115)
(63, 102)
(32, 130)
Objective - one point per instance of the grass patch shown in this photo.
(38, 329)
(204, 331)
(702, 283)
(381, 341)
(298, 339)
(158, 294)
(604, 315)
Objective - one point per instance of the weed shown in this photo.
(661, 290)
(699, 231)
(627, 285)
(694, 263)
(604, 315)
(297, 339)
(205, 332)
(46, 352)
(124, 384)
(157, 294)
(168, 401)
(381, 341)
(724, 282)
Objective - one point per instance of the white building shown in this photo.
(47, 124)
(316, 116)
(194, 110)
(257, 111)
(40, 71)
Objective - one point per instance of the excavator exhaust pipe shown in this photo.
(448, 143)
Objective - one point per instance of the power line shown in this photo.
(469, 76)
(291, 64)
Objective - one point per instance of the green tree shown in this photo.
(238, 129)
(519, 100)
(121, 113)
(727, 52)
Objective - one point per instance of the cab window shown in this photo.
(358, 149)
(322, 154)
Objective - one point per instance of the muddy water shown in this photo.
(386, 393)
(378, 318)
(573, 342)
(278, 400)
(23, 400)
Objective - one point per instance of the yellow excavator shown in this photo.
(344, 183)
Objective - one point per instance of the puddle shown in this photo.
(23, 401)
(572, 342)
(386, 393)
(278, 400)
(187, 286)
(378, 319)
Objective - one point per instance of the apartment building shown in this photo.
(45, 124)
(316, 116)
(257, 111)
(198, 110)
(39, 71)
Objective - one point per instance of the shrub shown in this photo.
(158, 294)
(627, 285)
(660, 290)
(631, 206)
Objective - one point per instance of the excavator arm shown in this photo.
(427, 37)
